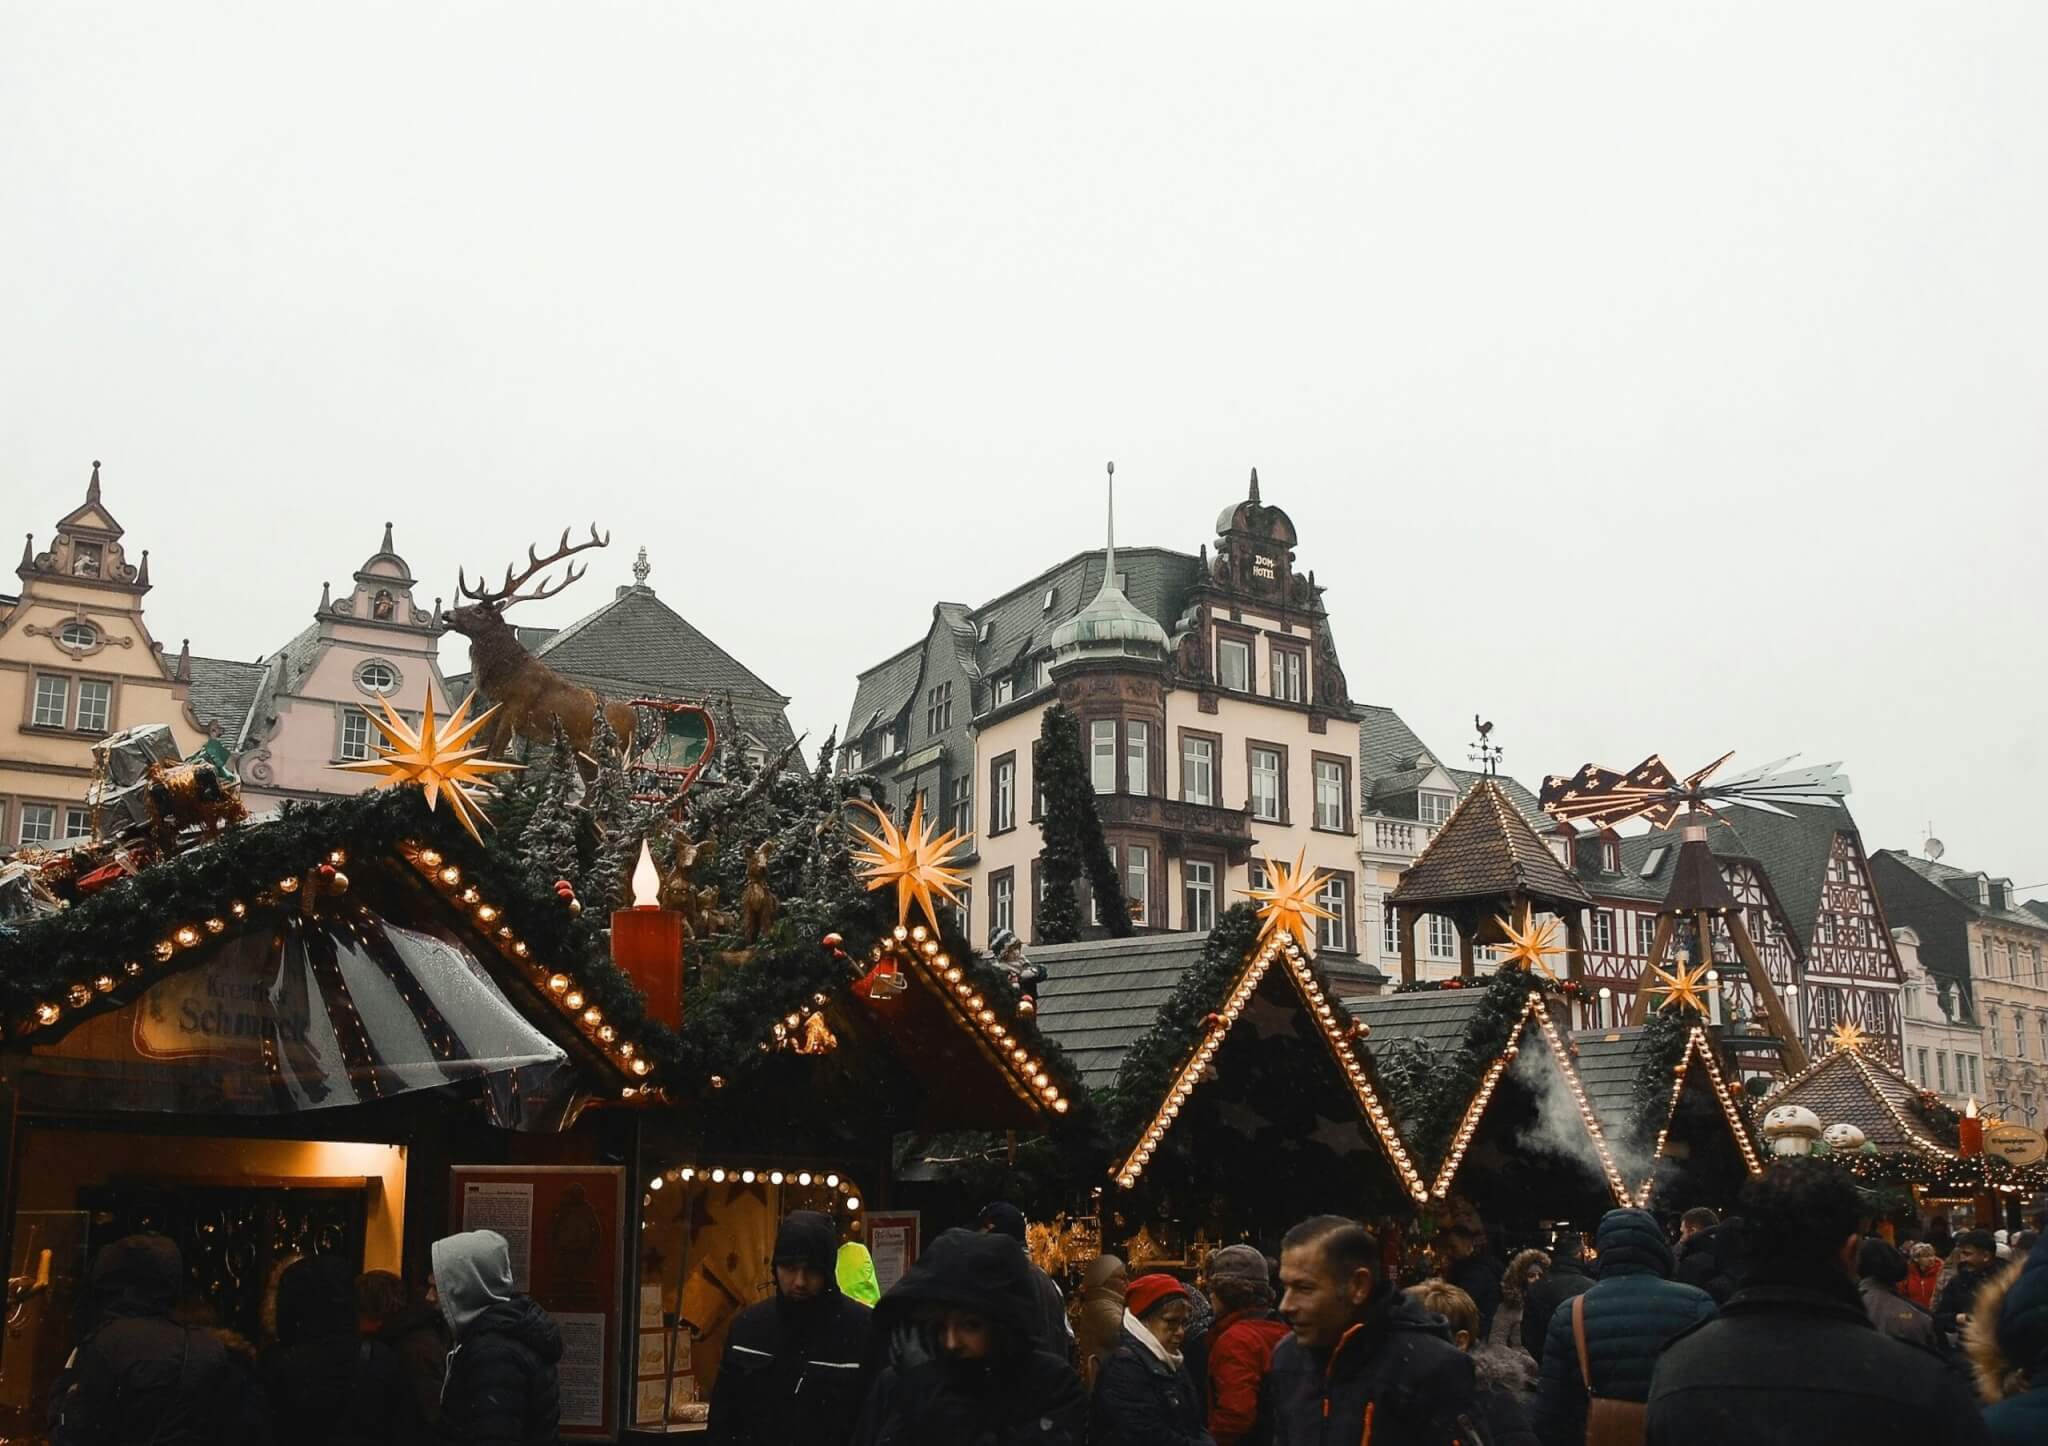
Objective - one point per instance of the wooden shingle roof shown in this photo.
(1100, 995)
(1849, 1087)
(1486, 850)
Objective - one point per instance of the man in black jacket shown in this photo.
(324, 1384)
(794, 1368)
(139, 1375)
(1975, 1259)
(1792, 1357)
(1540, 1301)
(1708, 1252)
(1000, 1217)
(1364, 1362)
(501, 1388)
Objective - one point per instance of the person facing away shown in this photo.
(1524, 1269)
(1000, 1217)
(1241, 1342)
(1707, 1252)
(966, 1367)
(1504, 1377)
(2007, 1341)
(1474, 1268)
(416, 1332)
(1602, 1346)
(501, 1388)
(1144, 1395)
(1792, 1358)
(140, 1376)
(1880, 1271)
(1362, 1362)
(795, 1366)
(1102, 1313)
(323, 1382)
(1971, 1262)
(1568, 1277)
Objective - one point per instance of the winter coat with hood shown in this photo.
(1567, 1278)
(139, 1375)
(794, 1372)
(1394, 1362)
(1102, 1313)
(1145, 1397)
(1051, 1329)
(1020, 1396)
(1505, 1384)
(1241, 1346)
(2007, 1340)
(501, 1388)
(1791, 1362)
(1515, 1285)
(1629, 1315)
(1711, 1259)
(323, 1384)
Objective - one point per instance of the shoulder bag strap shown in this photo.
(1579, 1340)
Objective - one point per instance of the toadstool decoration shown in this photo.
(1791, 1129)
(1843, 1138)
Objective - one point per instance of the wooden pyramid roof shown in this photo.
(1487, 850)
(1848, 1087)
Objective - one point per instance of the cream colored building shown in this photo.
(78, 663)
(1214, 716)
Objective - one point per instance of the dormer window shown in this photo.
(1610, 855)
(1433, 808)
(981, 633)
(1052, 595)
(377, 677)
(853, 758)
(78, 635)
(1005, 689)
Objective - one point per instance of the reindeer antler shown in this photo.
(508, 593)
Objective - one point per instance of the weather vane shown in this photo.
(1486, 753)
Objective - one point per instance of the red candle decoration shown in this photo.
(1970, 1132)
(647, 943)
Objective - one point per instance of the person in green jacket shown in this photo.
(855, 1269)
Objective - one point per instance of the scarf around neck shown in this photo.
(1145, 1338)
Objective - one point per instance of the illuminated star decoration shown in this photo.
(437, 758)
(914, 859)
(1530, 945)
(1287, 903)
(1847, 1035)
(1683, 987)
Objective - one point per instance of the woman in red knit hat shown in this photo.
(1144, 1393)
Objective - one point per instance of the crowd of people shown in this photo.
(1791, 1322)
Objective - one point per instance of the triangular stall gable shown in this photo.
(1610, 1064)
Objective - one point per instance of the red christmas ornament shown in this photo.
(563, 888)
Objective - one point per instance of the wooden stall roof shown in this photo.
(1101, 995)
(1848, 1087)
(1486, 850)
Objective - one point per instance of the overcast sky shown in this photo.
(1645, 377)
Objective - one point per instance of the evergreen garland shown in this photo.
(1430, 1089)
(1665, 1036)
(549, 839)
(1072, 831)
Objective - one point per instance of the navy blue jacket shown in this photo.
(2022, 1338)
(1394, 1360)
(1142, 1401)
(1630, 1314)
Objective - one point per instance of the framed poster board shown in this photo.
(566, 1228)
(893, 1242)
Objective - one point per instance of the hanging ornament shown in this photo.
(436, 759)
(913, 859)
(1529, 946)
(1683, 987)
(1287, 903)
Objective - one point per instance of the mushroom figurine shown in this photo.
(1791, 1129)
(1843, 1138)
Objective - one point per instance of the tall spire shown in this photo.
(92, 488)
(1109, 550)
(387, 539)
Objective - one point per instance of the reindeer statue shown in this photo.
(530, 694)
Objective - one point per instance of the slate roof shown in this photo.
(1850, 1087)
(222, 690)
(1794, 849)
(1609, 1065)
(2038, 908)
(2024, 916)
(1486, 849)
(1438, 1017)
(1100, 995)
(1385, 743)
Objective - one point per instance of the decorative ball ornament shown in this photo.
(1843, 1138)
(1791, 1130)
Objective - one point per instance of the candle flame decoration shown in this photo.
(646, 880)
(1971, 1112)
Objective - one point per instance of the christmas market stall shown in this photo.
(1670, 1110)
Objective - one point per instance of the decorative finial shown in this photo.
(92, 488)
(387, 539)
(1485, 752)
(1109, 553)
(326, 597)
(1255, 484)
(641, 569)
(142, 573)
(28, 549)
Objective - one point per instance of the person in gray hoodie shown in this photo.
(501, 1388)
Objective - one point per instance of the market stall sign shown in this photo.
(2016, 1144)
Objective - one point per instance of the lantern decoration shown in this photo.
(647, 943)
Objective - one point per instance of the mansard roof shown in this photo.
(1945, 877)
(222, 693)
(1487, 850)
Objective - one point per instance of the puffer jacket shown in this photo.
(1141, 1400)
(1896, 1316)
(501, 1388)
(1630, 1313)
(2007, 1340)
(1395, 1363)
(1712, 1260)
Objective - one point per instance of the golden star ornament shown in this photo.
(1287, 902)
(1685, 987)
(1847, 1035)
(1528, 944)
(436, 758)
(914, 859)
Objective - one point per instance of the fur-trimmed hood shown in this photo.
(1501, 1368)
(1998, 1374)
(1511, 1278)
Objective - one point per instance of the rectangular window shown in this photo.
(1922, 1054)
(1138, 757)
(1330, 792)
(1334, 934)
(1197, 770)
(1288, 670)
(1006, 689)
(962, 810)
(1390, 930)
(38, 823)
(1443, 938)
(53, 702)
(853, 758)
(1234, 664)
(2019, 1035)
(1002, 794)
(1265, 790)
(1976, 1083)
(1002, 901)
(1102, 754)
(1646, 933)
(1433, 808)
(938, 709)
(1603, 931)
(95, 704)
(1198, 878)
(355, 735)
(1941, 1071)
(963, 913)
(1138, 882)
(77, 823)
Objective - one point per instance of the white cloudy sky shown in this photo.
(1643, 379)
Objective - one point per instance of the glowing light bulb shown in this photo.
(656, 1183)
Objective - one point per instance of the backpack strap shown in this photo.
(1579, 1340)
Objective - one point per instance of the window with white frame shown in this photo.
(1102, 754)
(1330, 792)
(38, 824)
(1005, 690)
(1138, 882)
(1255, 874)
(1922, 1056)
(377, 677)
(853, 758)
(355, 735)
(1941, 1071)
(1991, 1024)
(1288, 670)
(1334, 933)
(77, 822)
(1976, 1080)
(1443, 938)
(1433, 808)
(757, 757)
(962, 812)
(1265, 790)
(1197, 770)
(1045, 672)
(95, 705)
(1198, 884)
(53, 701)
(1390, 929)
(78, 634)
(1002, 902)
(1646, 933)
(1603, 931)
(1138, 757)
(1004, 804)
(1234, 664)
(963, 913)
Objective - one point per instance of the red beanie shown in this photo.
(1148, 1292)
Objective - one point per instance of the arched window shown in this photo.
(377, 677)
